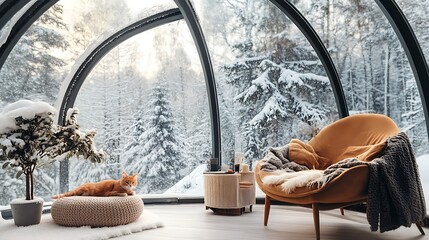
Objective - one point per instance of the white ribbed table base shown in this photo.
(229, 193)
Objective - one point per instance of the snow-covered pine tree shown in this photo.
(163, 162)
(107, 89)
(31, 69)
(239, 74)
(253, 143)
(373, 67)
(174, 56)
(11, 187)
(82, 172)
(414, 119)
(279, 82)
(198, 144)
(133, 149)
(47, 184)
(85, 172)
(280, 95)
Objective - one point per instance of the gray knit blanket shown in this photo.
(395, 195)
(277, 159)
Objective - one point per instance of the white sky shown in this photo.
(147, 61)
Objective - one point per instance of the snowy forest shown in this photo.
(147, 97)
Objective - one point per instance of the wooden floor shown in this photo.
(192, 221)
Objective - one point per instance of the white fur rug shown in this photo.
(289, 181)
(47, 229)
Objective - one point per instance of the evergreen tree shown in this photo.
(133, 150)
(163, 162)
(372, 64)
(109, 89)
(47, 184)
(278, 81)
(84, 172)
(11, 187)
(31, 70)
(414, 119)
(199, 141)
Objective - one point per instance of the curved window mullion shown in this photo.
(9, 8)
(197, 34)
(75, 79)
(412, 49)
(22, 25)
(314, 39)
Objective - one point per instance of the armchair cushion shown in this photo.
(360, 136)
(304, 154)
(364, 153)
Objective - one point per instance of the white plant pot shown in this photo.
(27, 212)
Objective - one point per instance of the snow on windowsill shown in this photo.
(23, 201)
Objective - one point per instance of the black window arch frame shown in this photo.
(75, 79)
(390, 9)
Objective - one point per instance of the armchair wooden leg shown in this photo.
(267, 209)
(419, 226)
(315, 207)
(342, 211)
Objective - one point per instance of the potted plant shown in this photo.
(29, 139)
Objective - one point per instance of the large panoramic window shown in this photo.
(372, 64)
(148, 100)
(147, 97)
(149, 86)
(271, 85)
(45, 54)
(420, 23)
(374, 69)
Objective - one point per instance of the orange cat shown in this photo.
(121, 187)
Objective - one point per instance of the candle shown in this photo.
(245, 168)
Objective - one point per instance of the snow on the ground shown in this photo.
(190, 184)
(193, 184)
(23, 201)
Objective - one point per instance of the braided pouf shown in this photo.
(96, 211)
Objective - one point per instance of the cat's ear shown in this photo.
(124, 174)
(135, 174)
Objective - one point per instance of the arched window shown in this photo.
(170, 84)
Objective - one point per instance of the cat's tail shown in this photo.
(66, 194)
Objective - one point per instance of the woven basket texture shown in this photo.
(96, 211)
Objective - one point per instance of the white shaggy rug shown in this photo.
(289, 181)
(47, 229)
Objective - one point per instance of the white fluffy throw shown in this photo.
(292, 180)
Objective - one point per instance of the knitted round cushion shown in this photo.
(96, 211)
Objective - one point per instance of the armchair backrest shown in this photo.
(352, 131)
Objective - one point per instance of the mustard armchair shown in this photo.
(361, 136)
